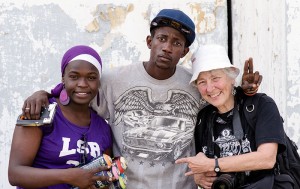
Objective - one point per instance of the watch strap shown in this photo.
(217, 167)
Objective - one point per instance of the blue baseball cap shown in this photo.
(177, 20)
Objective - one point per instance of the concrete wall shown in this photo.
(35, 34)
(269, 31)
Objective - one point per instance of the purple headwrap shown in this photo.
(80, 52)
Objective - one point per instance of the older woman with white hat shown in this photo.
(231, 154)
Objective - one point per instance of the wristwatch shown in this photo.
(217, 168)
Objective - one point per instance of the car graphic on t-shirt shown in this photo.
(163, 136)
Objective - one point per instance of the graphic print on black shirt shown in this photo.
(225, 139)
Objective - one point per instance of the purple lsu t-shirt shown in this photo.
(61, 145)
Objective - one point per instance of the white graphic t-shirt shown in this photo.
(153, 124)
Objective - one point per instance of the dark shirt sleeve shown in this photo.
(269, 125)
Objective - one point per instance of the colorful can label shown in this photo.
(98, 161)
(121, 183)
(103, 184)
(115, 171)
(123, 180)
(121, 163)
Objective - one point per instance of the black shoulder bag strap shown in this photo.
(237, 130)
(250, 109)
(237, 125)
(210, 143)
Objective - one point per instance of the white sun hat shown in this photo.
(210, 57)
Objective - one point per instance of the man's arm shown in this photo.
(250, 80)
(33, 104)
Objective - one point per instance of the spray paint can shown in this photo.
(98, 162)
(120, 163)
(103, 184)
(120, 183)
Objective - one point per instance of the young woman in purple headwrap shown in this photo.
(48, 156)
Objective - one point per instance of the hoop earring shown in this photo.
(63, 97)
(233, 92)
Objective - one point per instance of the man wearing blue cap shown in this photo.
(177, 20)
(151, 107)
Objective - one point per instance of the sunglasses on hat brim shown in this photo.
(168, 22)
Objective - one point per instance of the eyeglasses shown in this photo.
(83, 158)
(172, 23)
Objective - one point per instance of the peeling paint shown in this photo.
(293, 69)
(273, 42)
(116, 15)
(206, 20)
(93, 26)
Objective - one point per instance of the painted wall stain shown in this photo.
(205, 15)
(116, 15)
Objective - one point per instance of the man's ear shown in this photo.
(185, 51)
(149, 41)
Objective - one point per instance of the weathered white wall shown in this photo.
(293, 68)
(34, 35)
(269, 31)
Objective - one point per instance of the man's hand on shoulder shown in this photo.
(33, 104)
(250, 80)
